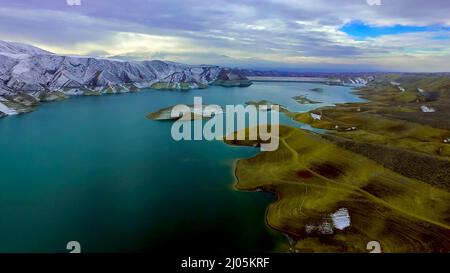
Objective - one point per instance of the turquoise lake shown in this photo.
(97, 171)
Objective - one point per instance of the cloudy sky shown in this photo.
(305, 35)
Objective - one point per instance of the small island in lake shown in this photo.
(317, 89)
(270, 106)
(304, 100)
(204, 113)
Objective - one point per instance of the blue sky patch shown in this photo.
(361, 31)
(441, 37)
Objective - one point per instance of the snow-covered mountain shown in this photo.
(19, 50)
(29, 74)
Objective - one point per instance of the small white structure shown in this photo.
(341, 219)
(427, 109)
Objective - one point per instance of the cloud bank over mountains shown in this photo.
(406, 35)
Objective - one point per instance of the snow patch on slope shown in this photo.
(341, 219)
(426, 109)
(6, 110)
(316, 116)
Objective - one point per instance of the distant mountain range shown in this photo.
(342, 78)
(29, 74)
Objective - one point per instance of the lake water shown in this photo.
(97, 171)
